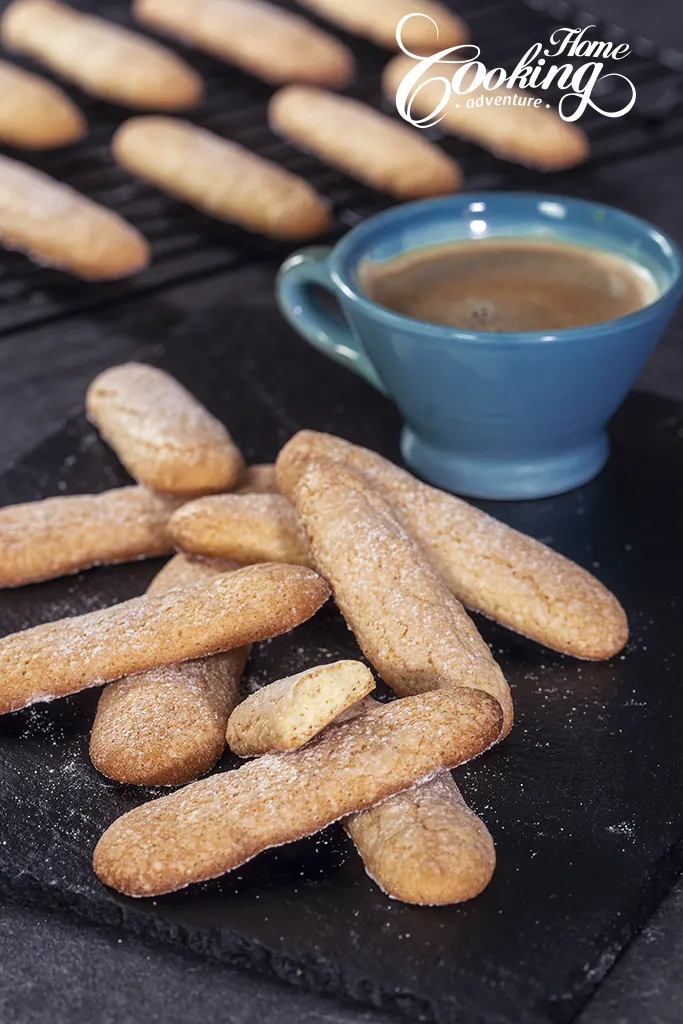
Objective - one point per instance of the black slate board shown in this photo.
(584, 799)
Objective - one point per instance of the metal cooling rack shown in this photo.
(186, 244)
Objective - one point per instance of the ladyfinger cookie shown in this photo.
(379, 20)
(215, 825)
(258, 37)
(221, 178)
(286, 714)
(259, 479)
(35, 113)
(163, 435)
(186, 570)
(69, 655)
(491, 568)
(58, 227)
(41, 540)
(425, 845)
(378, 150)
(167, 726)
(104, 59)
(530, 135)
(244, 527)
(413, 631)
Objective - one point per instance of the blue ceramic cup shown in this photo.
(490, 415)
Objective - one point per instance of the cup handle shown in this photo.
(307, 316)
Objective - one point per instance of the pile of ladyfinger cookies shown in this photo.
(259, 550)
(57, 226)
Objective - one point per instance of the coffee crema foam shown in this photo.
(509, 284)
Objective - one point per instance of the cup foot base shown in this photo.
(505, 479)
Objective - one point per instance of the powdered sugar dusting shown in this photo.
(215, 825)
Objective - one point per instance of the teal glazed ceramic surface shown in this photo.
(490, 415)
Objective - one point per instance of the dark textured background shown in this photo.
(52, 968)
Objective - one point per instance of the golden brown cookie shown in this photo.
(491, 568)
(530, 135)
(380, 151)
(163, 435)
(259, 37)
(186, 570)
(35, 113)
(56, 226)
(245, 528)
(258, 479)
(425, 845)
(104, 59)
(221, 178)
(69, 655)
(286, 714)
(217, 824)
(41, 540)
(378, 20)
(413, 631)
(167, 726)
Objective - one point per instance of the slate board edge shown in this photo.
(230, 949)
(323, 978)
(615, 940)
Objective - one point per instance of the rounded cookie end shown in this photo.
(457, 876)
(608, 641)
